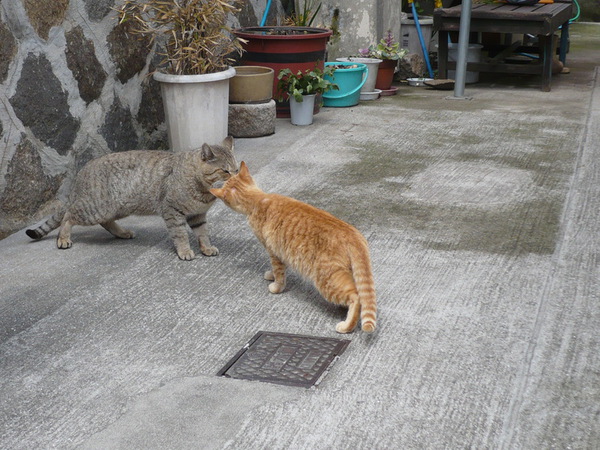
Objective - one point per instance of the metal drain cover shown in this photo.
(288, 359)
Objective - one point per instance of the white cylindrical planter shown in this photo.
(301, 113)
(372, 67)
(196, 108)
(410, 36)
(473, 55)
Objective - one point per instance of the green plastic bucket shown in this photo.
(350, 82)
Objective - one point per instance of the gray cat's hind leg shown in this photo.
(198, 224)
(116, 230)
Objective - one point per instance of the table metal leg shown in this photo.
(546, 54)
(443, 54)
(564, 42)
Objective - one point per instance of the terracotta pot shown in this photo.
(385, 74)
(294, 48)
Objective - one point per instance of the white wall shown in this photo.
(361, 23)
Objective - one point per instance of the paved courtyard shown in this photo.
(482, 217)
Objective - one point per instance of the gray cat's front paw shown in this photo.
(127, 234)
(209, 251)
(186, 255)
(63, 243)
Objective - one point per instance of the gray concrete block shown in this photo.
(252, 120)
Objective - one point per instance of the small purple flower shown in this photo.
(389, 39)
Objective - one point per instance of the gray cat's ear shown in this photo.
(228, 142)
(207, 153)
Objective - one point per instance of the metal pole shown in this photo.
(421, 40)
(463, 45)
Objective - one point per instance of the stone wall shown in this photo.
(74, 86)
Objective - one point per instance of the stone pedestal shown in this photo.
(252, 120)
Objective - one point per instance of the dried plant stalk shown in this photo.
(198, 40)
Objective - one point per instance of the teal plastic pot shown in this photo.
(350, 81)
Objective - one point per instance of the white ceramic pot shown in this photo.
(372, 67)
(301, 113)
(196, 108)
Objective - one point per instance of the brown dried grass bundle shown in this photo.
(198, 40)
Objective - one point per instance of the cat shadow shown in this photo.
(251, 258)
(95, 235)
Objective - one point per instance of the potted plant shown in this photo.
(298, 45)
(251, 84)
(350, 77)
(305, 15)
(197, 46)
(301, 88)
(389, 51)
(373, 69)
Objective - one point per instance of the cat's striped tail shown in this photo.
(52, 223)
(365, 285)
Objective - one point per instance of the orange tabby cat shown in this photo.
(326, 250)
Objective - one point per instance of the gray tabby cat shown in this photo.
(146, 182)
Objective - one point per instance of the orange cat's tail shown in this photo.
(365, 285)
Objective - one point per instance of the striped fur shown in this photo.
(50, 224)
(146, 182)
(326, 250)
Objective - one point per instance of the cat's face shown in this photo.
(232, 192)
(221, 159)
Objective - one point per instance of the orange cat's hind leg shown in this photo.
(348, 325)
(340, 289)
(276, 275)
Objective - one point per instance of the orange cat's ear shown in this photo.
(244, 172)
(217, 192)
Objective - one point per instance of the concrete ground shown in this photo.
(482, 217)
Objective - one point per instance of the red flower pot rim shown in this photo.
(282, 32)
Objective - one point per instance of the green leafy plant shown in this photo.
(387, 48)
(198, 40)
(303, 16)
(304, 83)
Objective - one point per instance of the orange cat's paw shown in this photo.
(269, 275)
(343, 328)
(276, 288)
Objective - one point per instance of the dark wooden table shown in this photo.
(542, 20)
